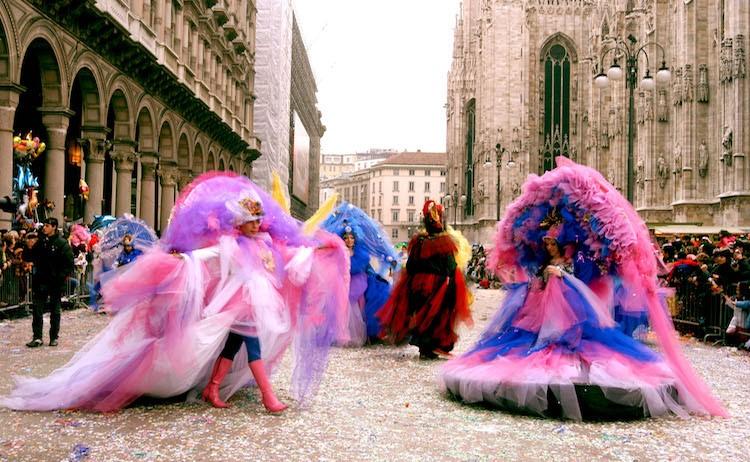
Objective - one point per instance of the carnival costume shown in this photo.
(554, 348)
(368, 288)
(430, 298)
(175, 306)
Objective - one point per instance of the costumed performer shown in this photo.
(554, 348)
(174, 307)
(430, 298)
(368, 289)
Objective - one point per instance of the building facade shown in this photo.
(521, 91)
(286, 117)
(134, 97)
(393, 191)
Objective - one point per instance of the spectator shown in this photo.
(53, 262)
(741, 304)
(722, 272)
(129, 253)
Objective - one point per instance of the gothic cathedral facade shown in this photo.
(521, 91)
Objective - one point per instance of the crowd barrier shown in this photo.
(706, 315)
(16, 292)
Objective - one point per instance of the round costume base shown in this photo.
(592, 401)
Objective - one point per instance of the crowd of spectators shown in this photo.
(705, 270)
(476, 270)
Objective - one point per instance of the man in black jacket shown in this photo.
(53, 263)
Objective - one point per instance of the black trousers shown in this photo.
(46, 296)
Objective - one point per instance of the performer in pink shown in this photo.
(569, 250)
(219, 269)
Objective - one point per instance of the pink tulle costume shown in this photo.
(554, 348)
(174, 307)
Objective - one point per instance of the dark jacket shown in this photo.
(53, 260)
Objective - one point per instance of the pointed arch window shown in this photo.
(556, 106)
(471, 116)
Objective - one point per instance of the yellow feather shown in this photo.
(323, 211)
(464, 248)
(278, 193)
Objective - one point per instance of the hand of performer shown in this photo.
(553, 270)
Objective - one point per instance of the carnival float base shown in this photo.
(592, 401)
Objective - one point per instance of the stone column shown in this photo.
(95, 153)
(168, 175)
(55, 120)
(148, 187)
(124, 157)
(183, 179)
(9, 94)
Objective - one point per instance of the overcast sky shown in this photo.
(381, 69)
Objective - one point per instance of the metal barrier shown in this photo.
(699, 312)
(15, 292)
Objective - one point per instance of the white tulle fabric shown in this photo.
(172, 318)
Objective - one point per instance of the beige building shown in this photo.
(521, 91)
(135, 97)
(394, 190)
(335, 165)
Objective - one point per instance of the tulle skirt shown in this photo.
(555, 351)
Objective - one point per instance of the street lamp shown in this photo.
(499, 151)
(631, 52)
(454, 200)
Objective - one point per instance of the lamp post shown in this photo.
(499, 151)
(631, 52)
(454, 200)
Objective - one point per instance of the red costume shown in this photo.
(430, 297)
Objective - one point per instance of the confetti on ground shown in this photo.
(360, 413)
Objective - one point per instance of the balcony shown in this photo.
(230, 31)
(220, 15)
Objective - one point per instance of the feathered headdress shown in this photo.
(433, 216)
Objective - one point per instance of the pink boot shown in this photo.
(271, 403)
(211, 392)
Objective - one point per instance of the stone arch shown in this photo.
(8, 48)
(166, 141)
(211, 161)
(119, 110)
(222, 165)
(91, 107)
(562, 39)
(198, 161)
(46, 51)
(183, 153)
(145, 135)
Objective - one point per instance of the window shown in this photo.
(557, 64)
(380, 215)
(442, 172)
(373, 201)
(426, 198)
(395, 186)
(411, 172)
(380, 200)
(411, 186)
(380, 186)
(394, 233)
(395, 172)
(442, 186)
(410, 214)
(427, 172)
(426, 186)
(394, 216)
(411, 200)
(395, 200)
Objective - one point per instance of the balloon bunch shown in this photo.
(25, 150)
(25, 179)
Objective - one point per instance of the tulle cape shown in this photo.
(368, 289)
(172, 313)
(604, 227)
